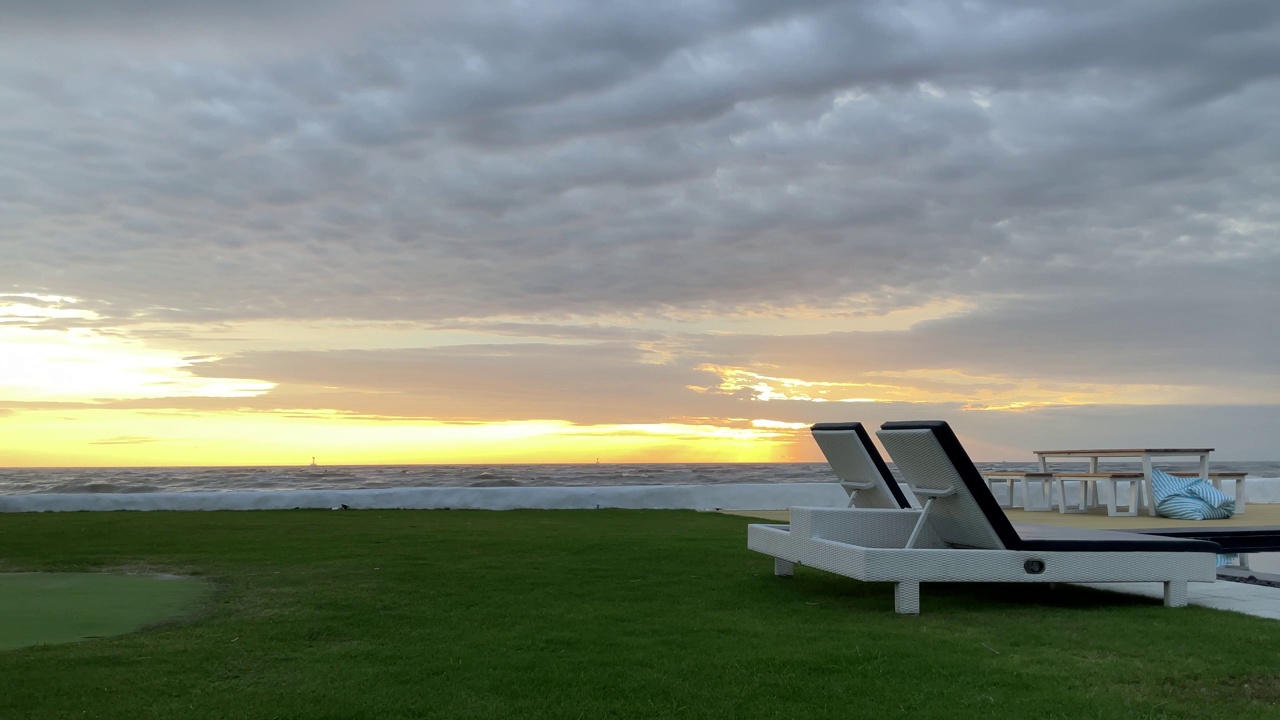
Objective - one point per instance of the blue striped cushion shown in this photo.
(1189, 498)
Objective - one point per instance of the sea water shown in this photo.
(24, 481)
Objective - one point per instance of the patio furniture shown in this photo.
(1144, 455)
(1238, 541)
(961, 535)
(857, 463)
(1010, 478)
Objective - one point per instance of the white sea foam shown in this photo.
(24, 481)
(729, 496)
(746, 486)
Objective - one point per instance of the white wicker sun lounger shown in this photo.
(858, 465)
(962, 535)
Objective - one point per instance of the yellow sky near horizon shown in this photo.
(127, 438)
(65, 395)
(55, 382)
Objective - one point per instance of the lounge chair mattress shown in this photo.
(1231, 539)
(1053, 538)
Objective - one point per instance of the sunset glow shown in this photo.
(118, 438)
(86, 397)
(549, 232)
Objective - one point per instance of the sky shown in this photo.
(241, 233)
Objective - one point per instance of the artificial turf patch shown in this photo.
(50, 608)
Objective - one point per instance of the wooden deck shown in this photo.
(1258, 514)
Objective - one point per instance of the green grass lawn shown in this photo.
(594, 614)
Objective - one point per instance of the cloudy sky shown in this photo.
(252, 232)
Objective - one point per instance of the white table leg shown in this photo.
(1093, 470)
(1045, 495)
(1134, 488)
(1006, 490)
(1146, 485)
(1061, 484)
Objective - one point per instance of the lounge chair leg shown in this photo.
(906, 597)
(783, 568)
(1175, 593)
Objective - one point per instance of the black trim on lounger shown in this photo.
(1057, 538)
(968, 473)
(870, 447)
(1043, 538)
(1230, 539)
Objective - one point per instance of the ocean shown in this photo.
(25, 481)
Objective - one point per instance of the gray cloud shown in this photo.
(1096, 179)
(1108, 330)
(224, 29)
(593, 384)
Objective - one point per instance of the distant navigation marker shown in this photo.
(313, 461)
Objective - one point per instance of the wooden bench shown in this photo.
(1133, 480)
(1218, 478)
(1089, 490)
(1009, 477)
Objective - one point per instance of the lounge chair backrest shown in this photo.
(858, 465)
(934, 464)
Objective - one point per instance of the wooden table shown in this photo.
(1143, 454)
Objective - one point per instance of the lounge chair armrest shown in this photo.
(865, 527)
